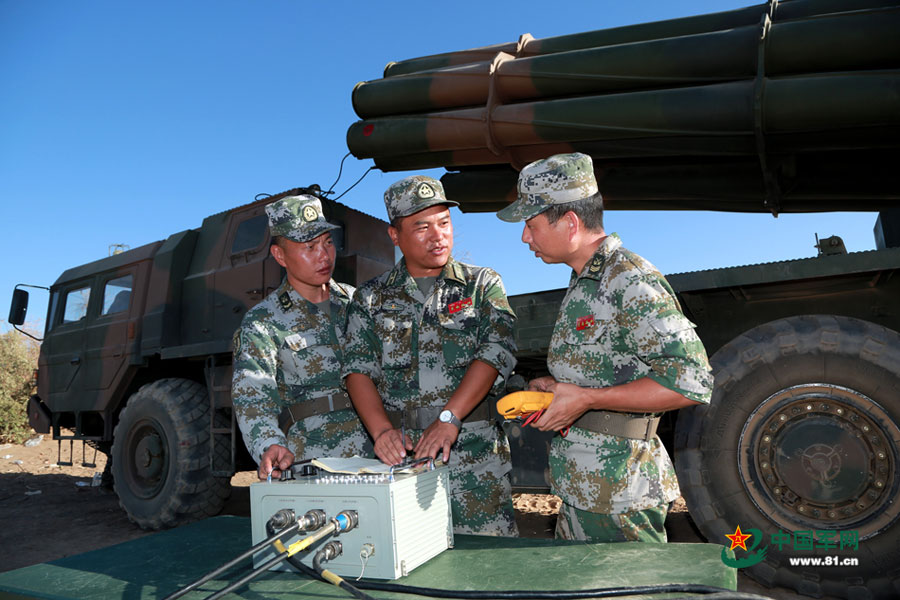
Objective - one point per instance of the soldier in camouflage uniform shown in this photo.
(621, 353)
(286, 388)
(426, 343)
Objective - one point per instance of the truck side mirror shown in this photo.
(18, 307)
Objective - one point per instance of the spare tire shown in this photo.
(802, 435)
(161, 456)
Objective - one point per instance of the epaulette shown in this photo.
(456, 272)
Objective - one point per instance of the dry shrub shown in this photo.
(19, 359)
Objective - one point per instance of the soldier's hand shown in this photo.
(541, 384)
(438, 437)
(565, 409)
(275, 459)
(391, 446)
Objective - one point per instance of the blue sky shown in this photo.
(125, 122)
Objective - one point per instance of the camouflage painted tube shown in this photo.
(852, 180)
(842, 42)
(527, 46)
(862, 108)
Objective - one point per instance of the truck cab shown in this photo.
(136, 355)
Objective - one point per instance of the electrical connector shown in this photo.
(346, 520)
(313, 519)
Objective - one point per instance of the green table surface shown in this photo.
(155, 566)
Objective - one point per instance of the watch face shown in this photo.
(445, 416)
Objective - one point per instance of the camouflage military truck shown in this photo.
(136, 355)
(786, 106)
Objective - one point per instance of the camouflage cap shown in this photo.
(298, 218)
(412, 194)
(560, 179)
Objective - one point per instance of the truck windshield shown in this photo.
(76, 304)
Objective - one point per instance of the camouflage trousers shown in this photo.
(631, 526)
(480, 488)
(486, 509)
(336, 434)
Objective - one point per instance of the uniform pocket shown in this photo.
(310, 364)
(395, 332)
(593, 333)
(459, 332)
(671, 324)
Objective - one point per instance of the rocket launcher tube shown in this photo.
(860, 41)
(713, 120)
(751, 15)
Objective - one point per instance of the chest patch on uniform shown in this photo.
(295, 342)
(393, 307)
(582, 323)
(285, 300)
(455, 307)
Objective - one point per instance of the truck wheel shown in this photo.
(802, 436)
(161, 456)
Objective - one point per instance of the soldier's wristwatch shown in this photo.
(448, 417)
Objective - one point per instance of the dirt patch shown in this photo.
(50, 512)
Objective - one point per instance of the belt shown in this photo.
(420, 418)
(619, 424)
(308, 408)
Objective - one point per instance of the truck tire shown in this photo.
(161, 456)
(802, 435)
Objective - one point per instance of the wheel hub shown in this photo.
(821, 456)
(148, 460)
(149, 456)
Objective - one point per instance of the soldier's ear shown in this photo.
(394, 234)
(573, 223)
(278, 254)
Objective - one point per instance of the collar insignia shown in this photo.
(285, 300)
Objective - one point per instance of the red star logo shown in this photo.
(738, 538)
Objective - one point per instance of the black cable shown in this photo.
(341, 583)
(261, 195)
(260, 546)
(340, 170)
(725, 595)
(355, 184)
(687, 588)
(249, 576)
(713, 593)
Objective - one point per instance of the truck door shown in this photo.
(244, 275)
(107, 334)
(64, 344)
